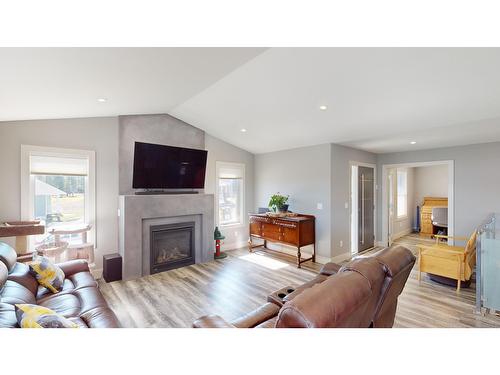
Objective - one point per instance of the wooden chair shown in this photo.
(454, 262)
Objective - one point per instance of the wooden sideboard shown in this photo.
(295, 231)
(426, 213)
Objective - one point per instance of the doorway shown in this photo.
(403, 198)
(362, 207)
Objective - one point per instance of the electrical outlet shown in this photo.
(319, 206)
(341, 243)
(346, 205)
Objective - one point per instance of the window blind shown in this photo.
(51, 165)
(227, 171)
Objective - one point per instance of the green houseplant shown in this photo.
(278, 203)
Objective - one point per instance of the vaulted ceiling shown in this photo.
(376, 99)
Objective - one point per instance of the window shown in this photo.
(57, 188)
(230, 193)
(402, 193)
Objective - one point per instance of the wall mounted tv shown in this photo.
(167, 167)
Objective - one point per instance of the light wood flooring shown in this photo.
(240, 283)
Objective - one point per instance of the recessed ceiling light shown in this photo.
(102, 100)
(243, 130)
(323, 107)
(413, 142)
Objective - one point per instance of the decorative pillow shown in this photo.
(34, 316)
(47, 274)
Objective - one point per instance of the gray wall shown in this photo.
(476, 179)
(98, 134)
(304, 174)
(221, 151)
(159, 129)
(341, 156)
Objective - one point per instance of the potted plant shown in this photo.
(278, 203)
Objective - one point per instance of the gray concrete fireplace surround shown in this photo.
(139, 212)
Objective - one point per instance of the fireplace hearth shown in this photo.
(172, 246)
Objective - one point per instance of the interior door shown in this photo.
(366, 233)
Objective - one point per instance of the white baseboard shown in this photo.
(402, 233)
(341, 257)
(322, 260)
(233, 245)
(96, 273)
(381, 244)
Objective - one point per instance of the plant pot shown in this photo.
(283, 208)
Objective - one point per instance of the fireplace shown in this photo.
(172, 246)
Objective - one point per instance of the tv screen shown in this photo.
(167, 167)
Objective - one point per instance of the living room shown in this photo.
(183, 185)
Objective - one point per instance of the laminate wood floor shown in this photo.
(240, 283)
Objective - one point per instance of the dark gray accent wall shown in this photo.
(160, 129)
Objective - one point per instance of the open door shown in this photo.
(366, 206)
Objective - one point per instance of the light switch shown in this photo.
(320, 206)
(346, 205)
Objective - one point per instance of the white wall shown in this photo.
(304, 174)
(431, 181)
(221, 151)
(97, 134)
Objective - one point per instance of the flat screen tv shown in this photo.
(167, 167)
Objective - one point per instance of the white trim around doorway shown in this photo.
(451, 190)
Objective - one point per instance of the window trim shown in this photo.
(405, 216)
(218, 166)
(28, 183)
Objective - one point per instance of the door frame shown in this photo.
(385, 195)
(355, 215)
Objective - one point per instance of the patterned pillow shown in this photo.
(47, 274)
(34, 316)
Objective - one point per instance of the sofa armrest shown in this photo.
(330, 269)
(74, 266)
(211, 321)
(260, 315)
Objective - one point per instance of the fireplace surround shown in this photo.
(139, 212)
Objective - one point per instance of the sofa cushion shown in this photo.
(339, 301)
(44, 293)
(100, 317)
(21, 274)
(13, 293)
(8, 256)
(34, 316)
(67, 305)
(7, 316)
(48, 274)
(3, 275)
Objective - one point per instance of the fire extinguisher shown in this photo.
(218, 237)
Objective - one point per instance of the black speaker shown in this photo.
(112, 267)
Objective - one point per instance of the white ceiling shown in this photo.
(379, 99)
(45, 83)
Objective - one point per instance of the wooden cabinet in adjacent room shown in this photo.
(426, 213)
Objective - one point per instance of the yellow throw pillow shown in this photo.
(47, 274)
(34, 316)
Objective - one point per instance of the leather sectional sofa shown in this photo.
(80, 300)
(360, 294)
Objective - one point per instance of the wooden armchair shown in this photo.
(454, 262)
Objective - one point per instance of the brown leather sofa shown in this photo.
(80, 300)
(362, 293)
